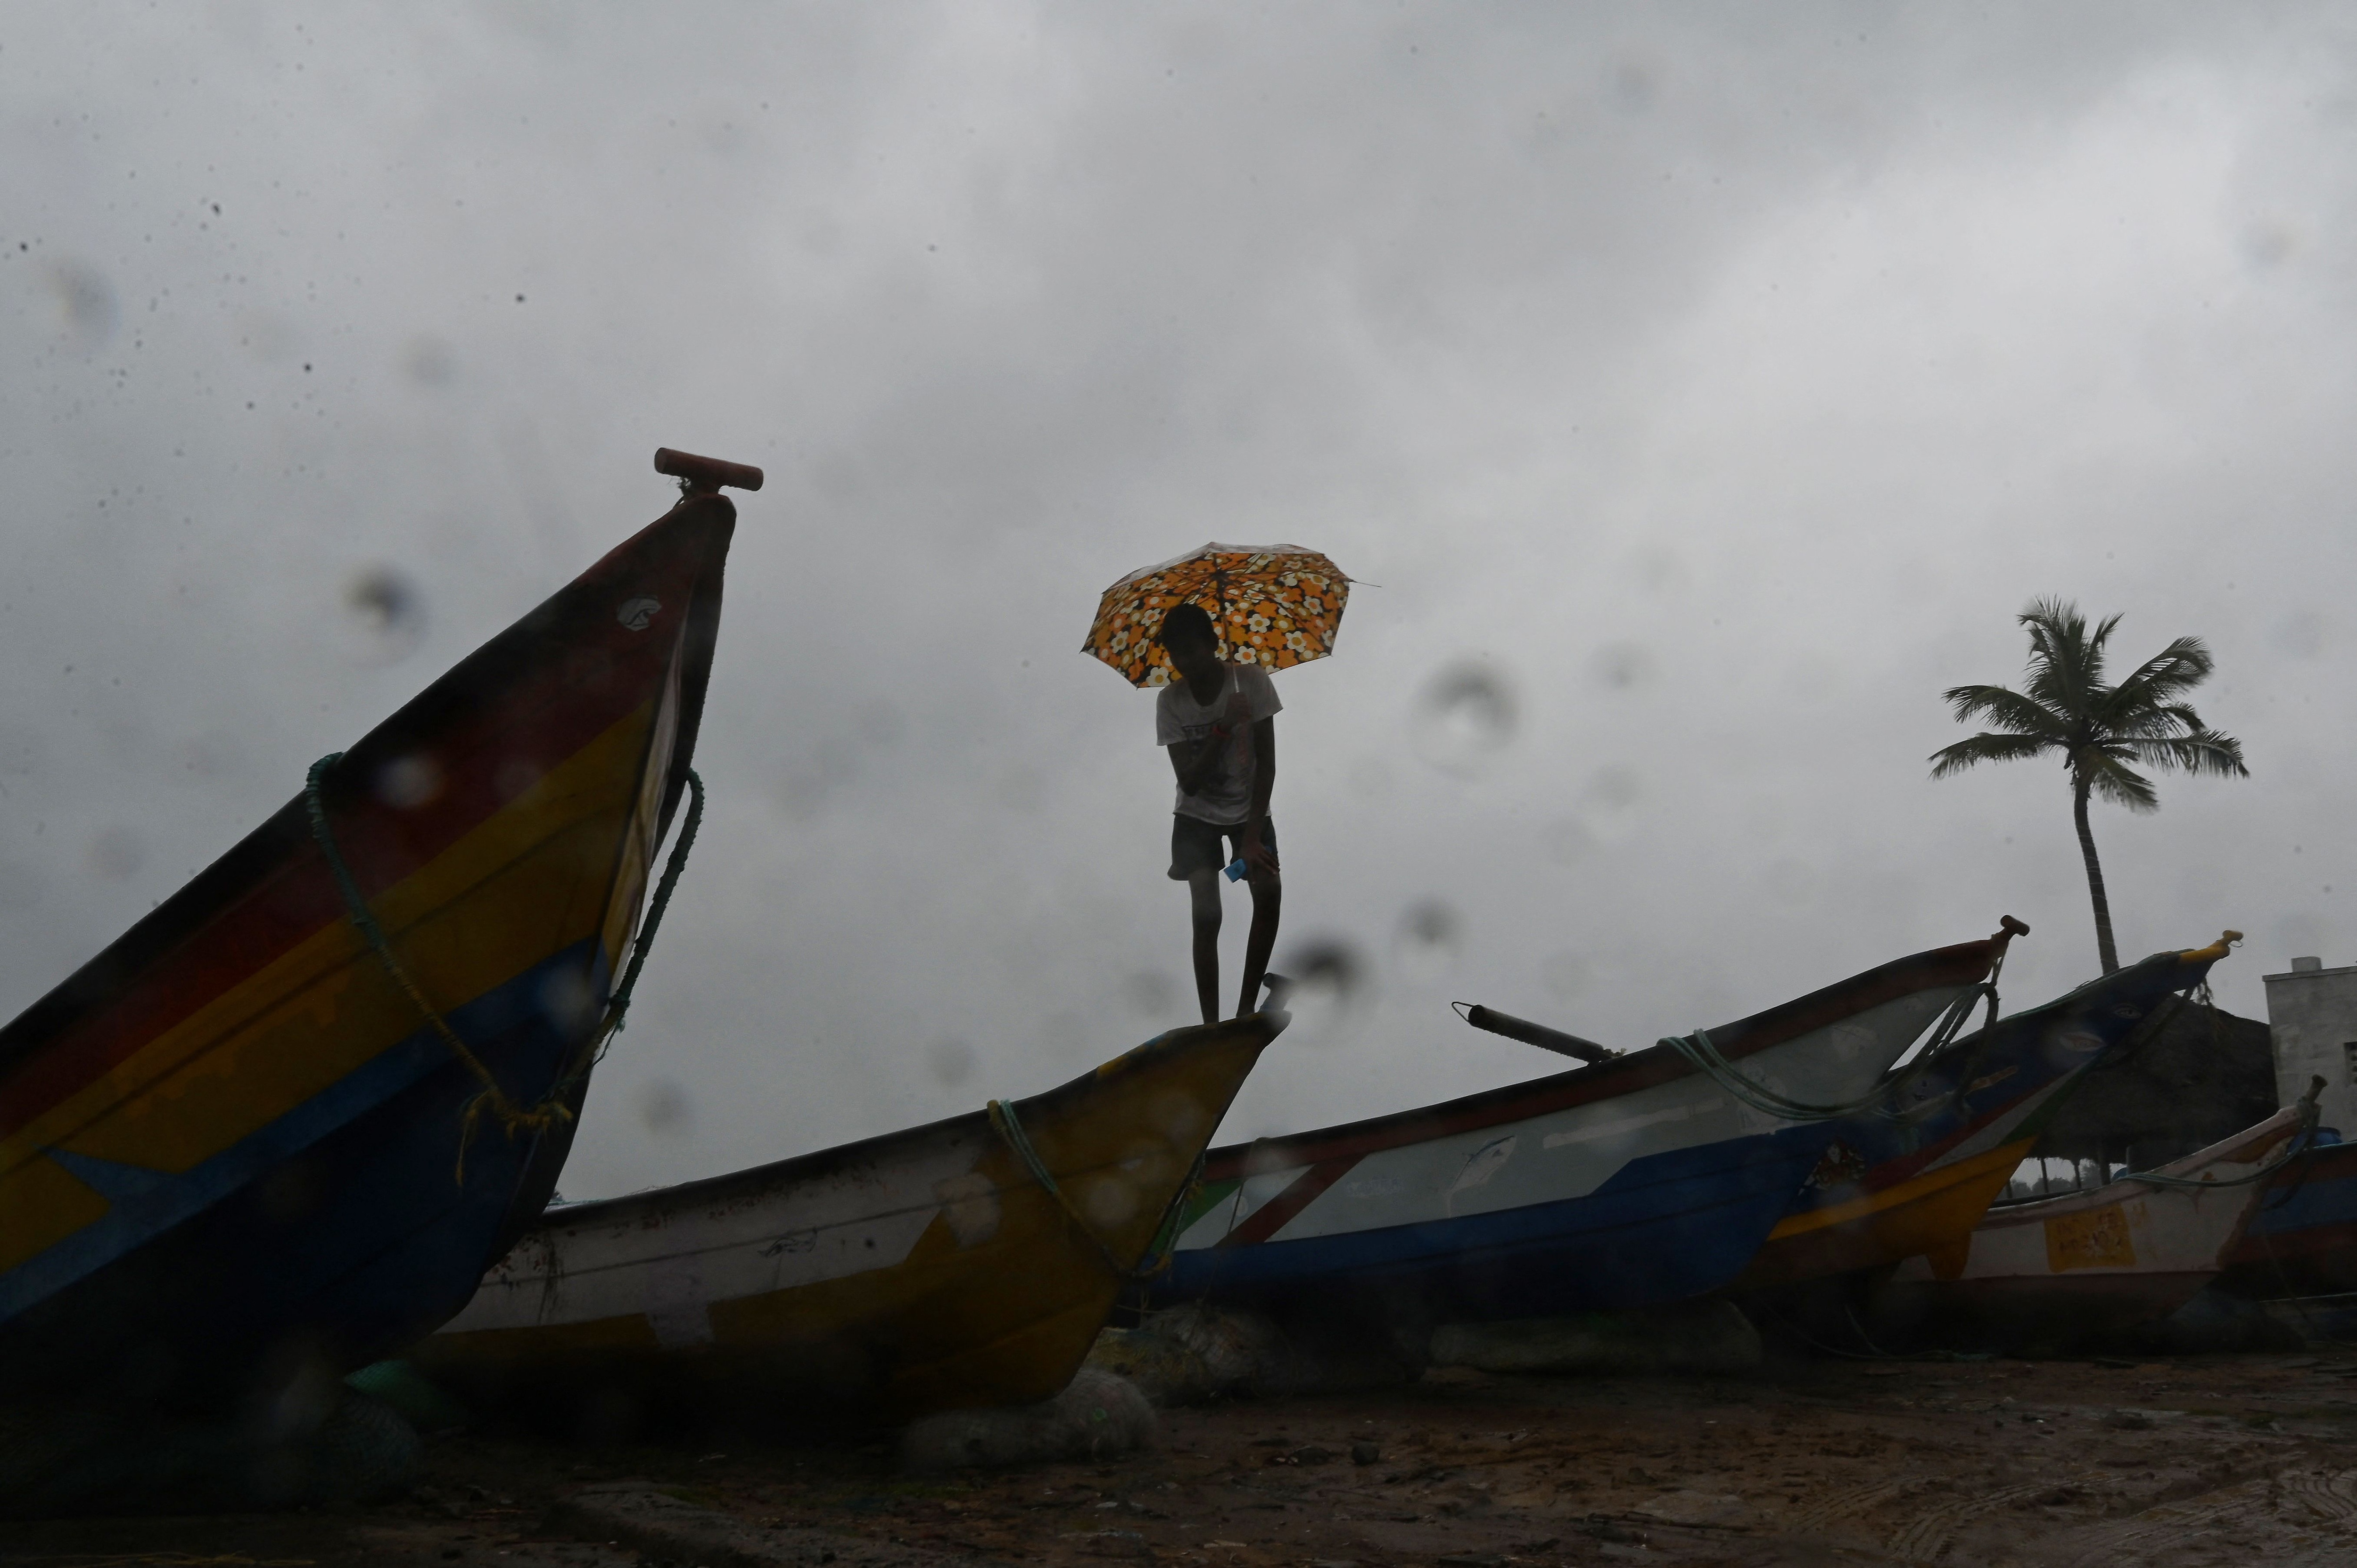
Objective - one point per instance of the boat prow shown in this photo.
(964, 1264)
(273, 1131)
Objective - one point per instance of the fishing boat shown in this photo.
(2302, 1240)
(962, 1264)
(284, 1123)
(1644, 1178)
(1914, 1175)
(2085, 1263)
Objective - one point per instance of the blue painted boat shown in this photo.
(1914, 1175)
(1636, 1180)
(284, 1123)
(2302, 1239)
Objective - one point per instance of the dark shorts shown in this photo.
(1195, 844)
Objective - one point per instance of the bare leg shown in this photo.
(1203, 888)
(1267, 895)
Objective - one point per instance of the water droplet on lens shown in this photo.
(1613, 788)
(1428, 940)
(1565, 975)
(1151, 991)
(408, 782)
(430, 362)
(1329, 980)
(1568, 842)
(87, 301)
(950, 1062)
(1624, 665)
(117, 851)
(1464, 719)
(663, 1108)
(569, 1000)
(384, 616)
(2300, 633)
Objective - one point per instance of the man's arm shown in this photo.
(1257, 855)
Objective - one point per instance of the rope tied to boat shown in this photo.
(1703, 1053)
(2294, 1148)
(1010, 1128)
(552, 1109)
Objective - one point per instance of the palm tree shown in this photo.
(2099, 730)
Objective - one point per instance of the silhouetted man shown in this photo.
(1218, 722)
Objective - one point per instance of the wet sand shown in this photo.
(2196, 1460)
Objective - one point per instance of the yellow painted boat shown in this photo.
(966, 1263)
(1914, 1177)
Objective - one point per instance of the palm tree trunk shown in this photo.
(2103, 944)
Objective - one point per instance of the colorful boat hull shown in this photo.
(1914, 1176)
(231, 1144)
(2085, 1263)
(2303, 1239)
(1633, 1181)
(927, 1270)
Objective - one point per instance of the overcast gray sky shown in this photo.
(1717, 380)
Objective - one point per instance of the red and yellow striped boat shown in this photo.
(234, 1152)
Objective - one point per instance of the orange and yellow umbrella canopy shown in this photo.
(1275, 606)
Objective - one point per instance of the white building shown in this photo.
(2312, 1013)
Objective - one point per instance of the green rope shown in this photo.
(1700, 1050)
(2298, 1147)
(552, 1109)
(620, 1002)
(1003, 1117)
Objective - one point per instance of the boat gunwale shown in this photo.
(2262, 1135)
(1900, 1169)
(269, 851)
(1959, 964)
(818, 1162)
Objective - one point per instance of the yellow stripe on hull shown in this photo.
(531, 880)
(1932, 1215)
(995, 1301)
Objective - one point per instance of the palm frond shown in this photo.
(2008, 710)
(1987, 748)
(2169, 674)
(2112, 779)
(2065, 671)
(2202, 751)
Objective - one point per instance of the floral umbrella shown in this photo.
(1274, 604)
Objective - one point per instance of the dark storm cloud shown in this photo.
(1719, 381)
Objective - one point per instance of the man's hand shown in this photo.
(1260, 859)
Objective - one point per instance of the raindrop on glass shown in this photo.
(408, 782)
(1329, 980)
(1429, 935)
(117, 851)
(1151, 991)
(86, 299)
(384, 616)
(1624, 666)
(663, 1108)
(1464, 719)
(430, 362)
(950, 1062)
(1565, 975)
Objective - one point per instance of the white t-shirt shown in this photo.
(1226, 795)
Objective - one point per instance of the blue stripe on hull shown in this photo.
(334, 1234)
(2310, 1205)
(1664, 1228)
